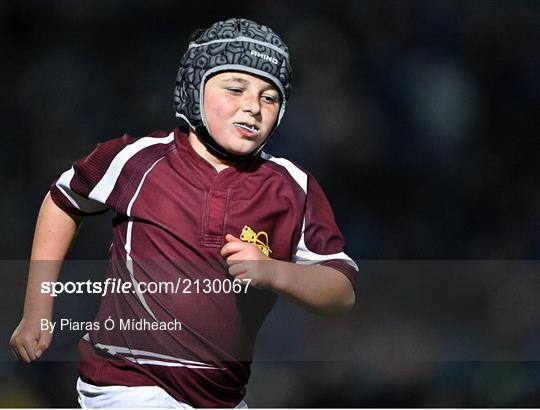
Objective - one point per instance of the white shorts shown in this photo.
(91, 396)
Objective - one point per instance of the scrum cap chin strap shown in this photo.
(222, 153)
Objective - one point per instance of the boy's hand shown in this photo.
(246, 261)
(28, 341)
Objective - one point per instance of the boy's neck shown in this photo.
(200, 149)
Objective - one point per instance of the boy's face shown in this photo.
(240, 110)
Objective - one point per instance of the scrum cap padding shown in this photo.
(231, 45)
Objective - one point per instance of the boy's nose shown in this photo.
(251, 104)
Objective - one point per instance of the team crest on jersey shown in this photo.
(260, 239)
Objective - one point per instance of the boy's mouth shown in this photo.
(247, 127)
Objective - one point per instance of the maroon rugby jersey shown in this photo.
(173, 210)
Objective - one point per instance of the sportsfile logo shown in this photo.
(264, 56)
(117, 285)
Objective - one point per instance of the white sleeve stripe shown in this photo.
(298, 175)
(65, 181)
(78, 201)
(312, 258)
(306, 257)
(106, 185)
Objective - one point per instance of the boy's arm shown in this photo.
(319, 288)
(55, 230)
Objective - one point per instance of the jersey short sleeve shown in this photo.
(75, 190)
(321, 241)
(95, 182)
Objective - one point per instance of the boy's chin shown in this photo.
(242, 150)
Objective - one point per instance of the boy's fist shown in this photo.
(28, 341)
(246, 261)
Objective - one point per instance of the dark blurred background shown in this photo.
(419, 119)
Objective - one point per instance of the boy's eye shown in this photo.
(269, 99)
(235, 90)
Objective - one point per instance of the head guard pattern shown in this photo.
(230, 45)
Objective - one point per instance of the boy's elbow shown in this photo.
(340, 306)
(348, 302)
